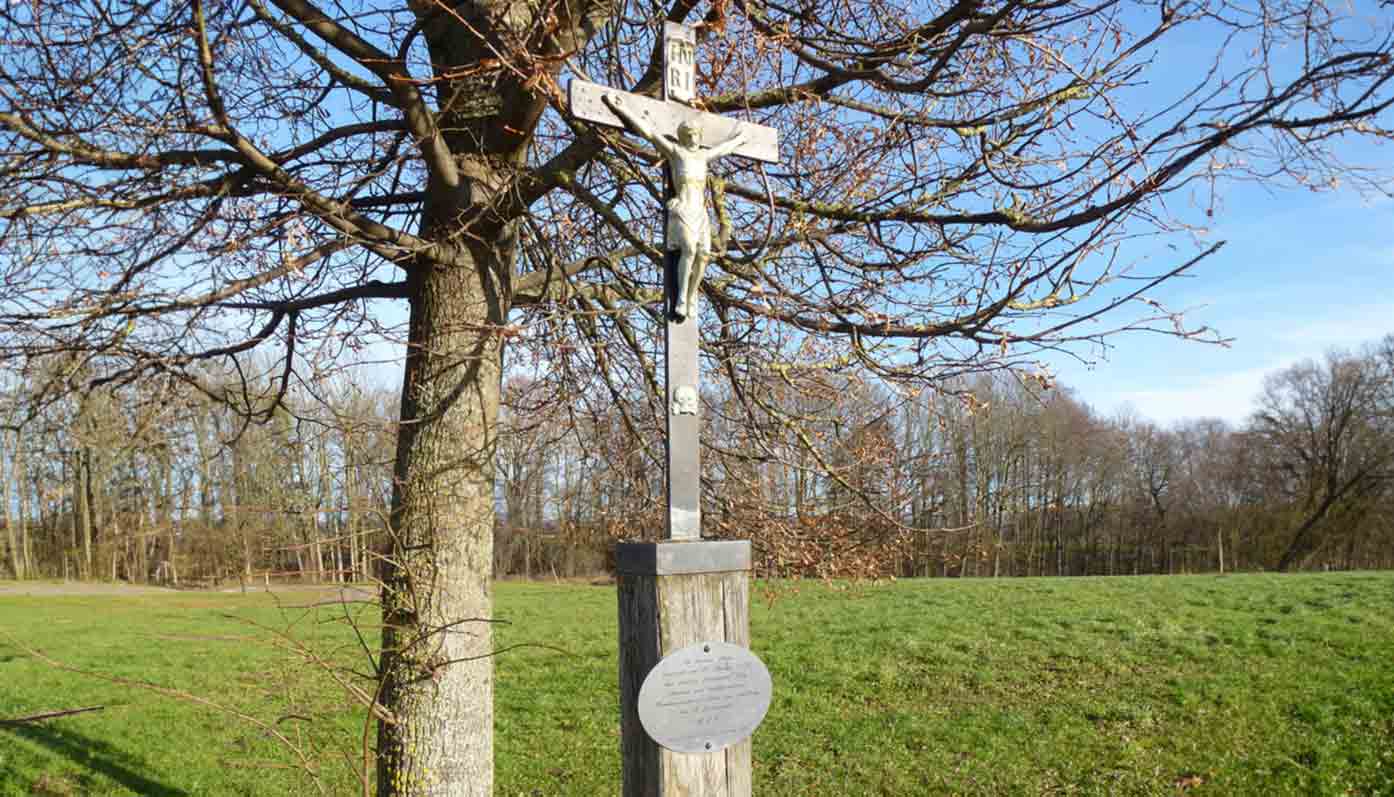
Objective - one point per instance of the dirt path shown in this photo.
(41, 588)
(81, 588)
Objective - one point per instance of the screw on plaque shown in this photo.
(706, 648)
(709, 745)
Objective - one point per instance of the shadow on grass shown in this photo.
(96, 756)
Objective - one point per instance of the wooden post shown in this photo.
(671, 595)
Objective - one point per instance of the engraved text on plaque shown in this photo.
(704, 697)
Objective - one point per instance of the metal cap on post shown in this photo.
(679, 558)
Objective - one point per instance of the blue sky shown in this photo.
(1301, 273)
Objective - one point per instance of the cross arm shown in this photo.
(641, 124)
(730, 145)
(758, 142)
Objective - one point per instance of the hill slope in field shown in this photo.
(1247, 684)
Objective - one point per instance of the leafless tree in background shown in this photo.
(1326, 432)
(192, 182)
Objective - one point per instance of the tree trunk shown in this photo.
(22, 480)
(246, 553)
(142, 552)
(351, 509)
(1304, 541)
(437, 673)
(82, 530)
(338, 548)
(320, 526)
(316, 550)
(205, 439)
(16, 551)
(173, 567)
(97, 499)
(32, 489)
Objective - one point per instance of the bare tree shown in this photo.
(9, 475)
(1327, 443)
(183, 182)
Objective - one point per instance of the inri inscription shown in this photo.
(704, 697)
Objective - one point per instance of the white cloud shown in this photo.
(1228, 396)
(1343, 327)
(1165, 393)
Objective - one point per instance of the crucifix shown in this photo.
(684, 601)
(688, 140)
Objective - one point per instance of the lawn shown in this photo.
(1249, 685)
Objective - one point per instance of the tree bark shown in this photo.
(22, 481)
(351, 505)
(16, 551)
(437, 670)
(141, 565)
(103, 504)
(82, 531)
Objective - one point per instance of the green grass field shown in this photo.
(1250, 685)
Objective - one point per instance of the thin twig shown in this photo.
(48, 715)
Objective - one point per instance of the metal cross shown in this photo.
(662, 119)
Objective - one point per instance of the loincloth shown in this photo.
(688, 227)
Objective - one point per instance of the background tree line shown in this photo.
(992, 475)
(160, 483)
(186, 186)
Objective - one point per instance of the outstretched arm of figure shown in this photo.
(616, 103)
(728, 146)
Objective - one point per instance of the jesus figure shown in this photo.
(689, 229)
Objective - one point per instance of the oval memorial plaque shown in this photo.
(704, 697)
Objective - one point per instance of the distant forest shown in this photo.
(995, 474)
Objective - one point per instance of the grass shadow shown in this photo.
(96, 756)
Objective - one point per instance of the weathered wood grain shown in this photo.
(658, 615)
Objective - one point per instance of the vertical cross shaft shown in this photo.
(684, 481)
(680, 361)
